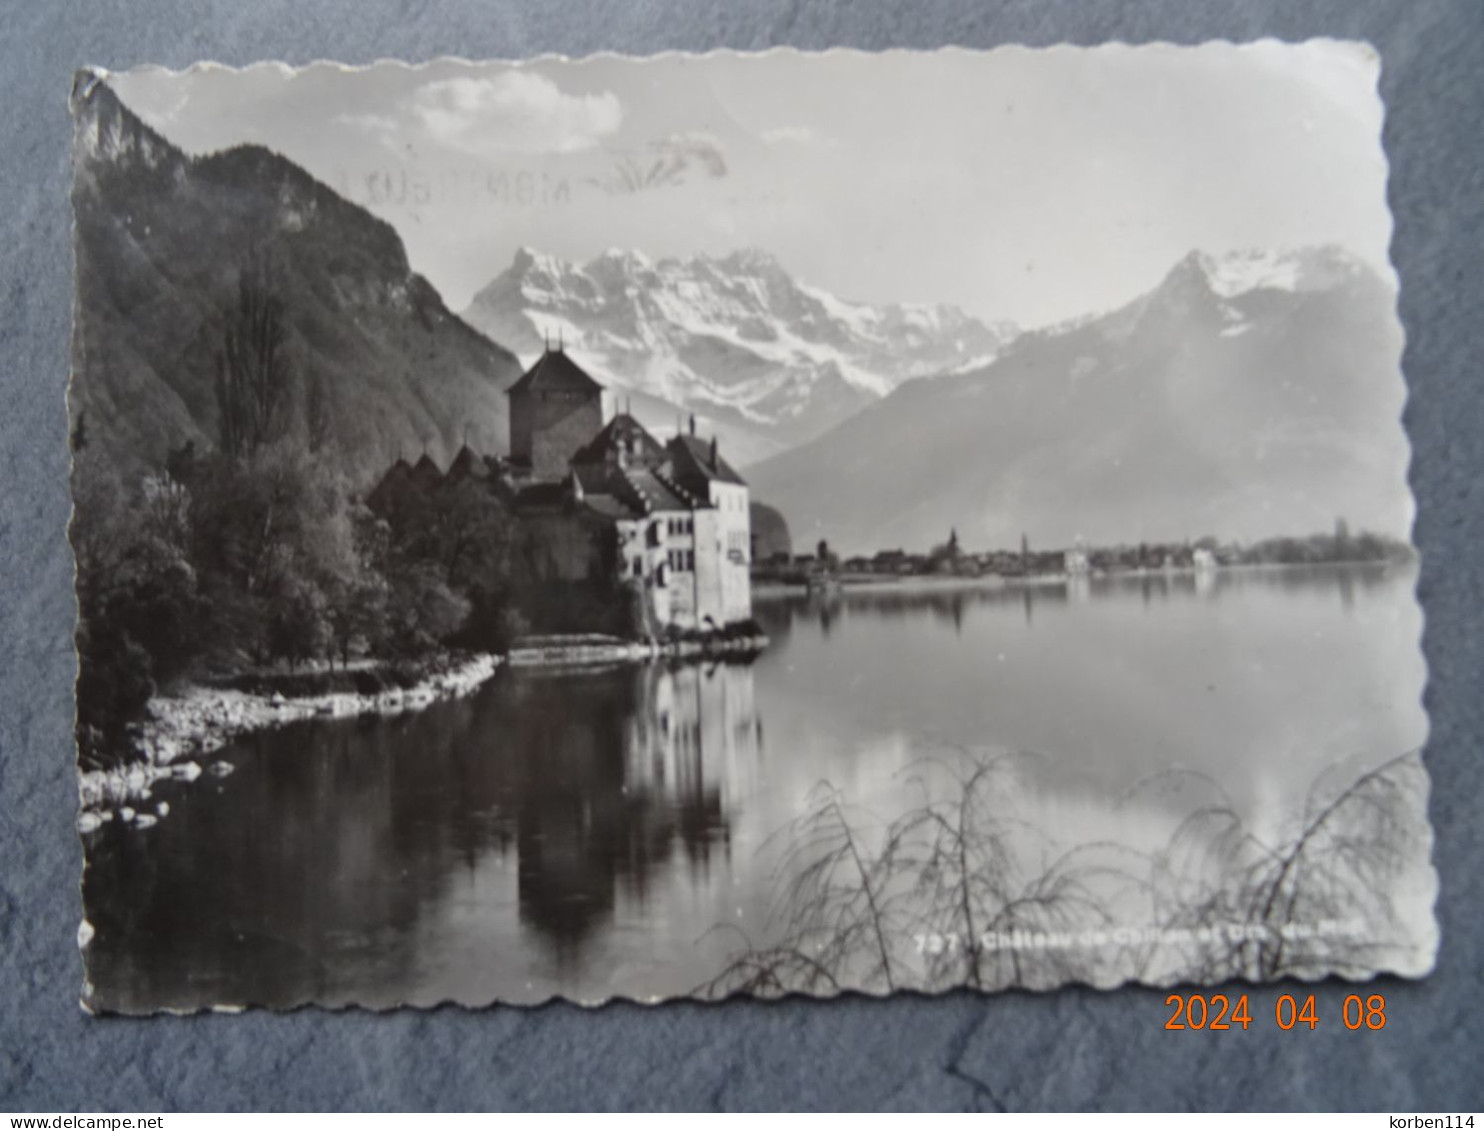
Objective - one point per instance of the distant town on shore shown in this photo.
(951, 559)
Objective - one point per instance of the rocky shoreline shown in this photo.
(183, 730)
(594, 649)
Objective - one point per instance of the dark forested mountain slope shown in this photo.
(162, 239)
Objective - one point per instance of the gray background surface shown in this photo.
(1075, 1048)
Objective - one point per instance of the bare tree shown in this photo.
(1351, 853)
(838, 924)
(907, 904)
(992, 901)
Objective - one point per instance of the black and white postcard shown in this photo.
(760, 524)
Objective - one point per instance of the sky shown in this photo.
(1021, 185)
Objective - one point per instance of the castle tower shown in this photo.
(555, 408)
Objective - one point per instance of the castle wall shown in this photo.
(686, 569)
(522, 425)
(678, 554)
(641, 555)
(547, 428)
(710, 611)
(734, 535)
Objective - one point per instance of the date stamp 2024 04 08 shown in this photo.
(1222, 1012)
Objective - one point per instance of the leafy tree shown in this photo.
(299, 625)
(252, 378)
(358, 597)
(425, 611)
(318, 415)
(467, 530)
(138, 599)
(276, 537)
(114, 682)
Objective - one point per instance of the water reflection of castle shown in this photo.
(650, 766)
(701, 732)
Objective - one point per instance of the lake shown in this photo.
(631, 831)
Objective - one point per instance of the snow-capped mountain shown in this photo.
(734, 339)
(1309, 269)
(1244, 396)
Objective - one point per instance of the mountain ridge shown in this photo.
(1198, 408)
(161, 239)
(734, 338)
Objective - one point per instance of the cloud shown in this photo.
(383, 128)
(515, 111)
(371, 123)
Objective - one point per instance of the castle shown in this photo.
(608, 502)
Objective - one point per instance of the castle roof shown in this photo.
(611, 506)
(467, 465)
(554, 371)
(426, 470)
(392, 486)
(618, 432)
(697, 463)
(656, 493)
(541, 496)
(399, 472)
(626, 492)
